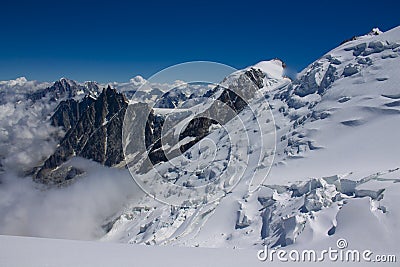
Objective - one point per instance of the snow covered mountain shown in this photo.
(336, 167)
(259, 160)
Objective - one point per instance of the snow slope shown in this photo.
(38, 252)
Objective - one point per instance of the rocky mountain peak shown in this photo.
(66, 82)
(64, 89)
(93, 131)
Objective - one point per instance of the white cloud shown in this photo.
(74, 212)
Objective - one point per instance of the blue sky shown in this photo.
(116, 40)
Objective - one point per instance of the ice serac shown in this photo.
(93, 131)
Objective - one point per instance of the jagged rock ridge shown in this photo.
(93, 131)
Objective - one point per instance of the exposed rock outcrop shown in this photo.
(94, 131)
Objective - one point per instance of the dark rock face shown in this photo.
(256, 76)
(70, 111)
(94, 131)
(152, 140)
